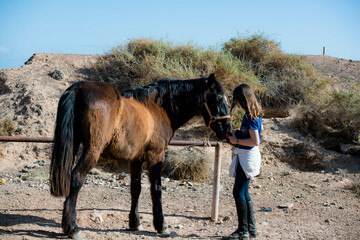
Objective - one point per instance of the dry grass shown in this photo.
(7, 126)
(188, 163)
(333, 118)
(143, 61)
(284, 79)
(355, 187)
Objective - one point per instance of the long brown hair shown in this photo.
(244, 95)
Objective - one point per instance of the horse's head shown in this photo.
(215, 110)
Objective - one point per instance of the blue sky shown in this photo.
(95, 26)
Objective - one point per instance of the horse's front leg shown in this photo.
(155, 179)
(135, 189)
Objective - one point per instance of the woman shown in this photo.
(246, 159)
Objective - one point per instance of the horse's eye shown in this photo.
(219, 97)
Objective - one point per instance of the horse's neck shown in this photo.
(181, 100)
(182, 113)
(176, 123)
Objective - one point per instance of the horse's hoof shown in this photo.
(76, 235)
(138, 228)
(165, 231)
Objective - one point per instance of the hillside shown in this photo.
(344, 72)
(307, 187)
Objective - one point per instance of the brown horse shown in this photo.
(135, 127)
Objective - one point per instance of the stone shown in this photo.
(330, 220)
(226, 218)
(286, 205)
(40, 162)
(266, 209)
(57, 75)
(95, 171)
(96, 217)
(179, 226)
(299, 196)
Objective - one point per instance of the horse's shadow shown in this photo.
(15, 219)
(7, 220)
(172, 234)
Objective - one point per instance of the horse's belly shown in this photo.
(116, 159)
(123, 152)
(110, 164)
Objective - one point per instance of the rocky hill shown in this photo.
(308, 189)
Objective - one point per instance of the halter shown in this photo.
(214, 119)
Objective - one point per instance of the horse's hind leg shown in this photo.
(155, 179)
(86, 162)
(135, 189)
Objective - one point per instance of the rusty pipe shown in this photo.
(26, 139)
(51, 139)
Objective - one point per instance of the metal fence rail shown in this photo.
(26, 139)
(217, 162)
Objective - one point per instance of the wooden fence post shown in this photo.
(216, 184)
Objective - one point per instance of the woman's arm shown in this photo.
(254, 139)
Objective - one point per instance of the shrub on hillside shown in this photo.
(3, 87)
(333, 118)
(7, 126)
(355, 187)
(143, 61)
(285, 79)
(254, 48)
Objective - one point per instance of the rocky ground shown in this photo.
(303, 191)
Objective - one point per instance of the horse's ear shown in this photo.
(211, 80)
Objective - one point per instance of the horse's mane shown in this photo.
(181, 99)
(168, 90)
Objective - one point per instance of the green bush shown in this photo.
(143, 61)
(333, 118)
(7, 126)
(285, 79)
(254, 48)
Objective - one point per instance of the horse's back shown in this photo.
(138, 130)
(96, 112)
(89, 92)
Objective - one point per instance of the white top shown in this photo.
(249, 159)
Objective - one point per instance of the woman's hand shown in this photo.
(233, 140)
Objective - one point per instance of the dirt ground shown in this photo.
(303, 191)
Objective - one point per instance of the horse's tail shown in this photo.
(62, 159)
